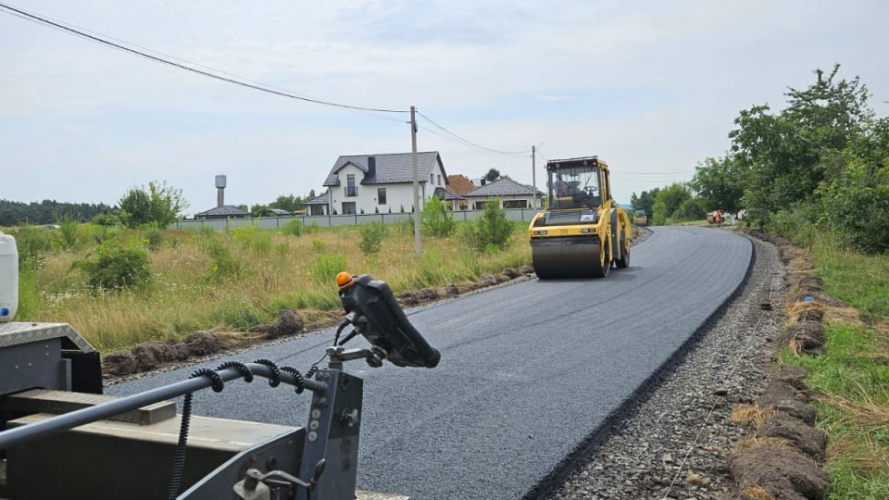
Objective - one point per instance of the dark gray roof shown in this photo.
(503, 187)
(276, 211)
(223, 211)
(321, 200)
(445, 195)
(391, 168)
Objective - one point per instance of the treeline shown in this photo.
(817, 168)
(14, 213)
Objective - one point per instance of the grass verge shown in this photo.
(851, 381)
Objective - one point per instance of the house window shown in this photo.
(480, 205)
(515, 204)
(351, 190)
(317, 209)
(349, 208)
(431, 178)
(439, 179)
(381, 196)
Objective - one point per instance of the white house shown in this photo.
(510, 193)
(381, 183)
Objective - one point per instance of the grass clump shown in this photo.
(293, 228)
(114, 267)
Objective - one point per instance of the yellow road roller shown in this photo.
(582, 233)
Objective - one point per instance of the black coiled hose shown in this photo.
(182, 445)
(275, 379)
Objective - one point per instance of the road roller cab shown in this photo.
(583, 232)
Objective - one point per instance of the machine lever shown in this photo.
(254, 486)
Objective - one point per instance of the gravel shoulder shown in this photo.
(673, 443)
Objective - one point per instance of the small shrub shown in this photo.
(107, 219)
(318, 246)
(223, 263)
(312, 228)
(325, 268)
(113, 267)
(154, 238)
(436, 221)
(293, 228)
(371, 238)
(69, 227)
(491, 231)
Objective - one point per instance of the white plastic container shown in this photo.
(9, 278)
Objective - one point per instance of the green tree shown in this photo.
(856, 206)
(645, 201)
(492, 175)
(783, 152)
(720, 183)
(158, 203)
(289, 202)
(667, 202)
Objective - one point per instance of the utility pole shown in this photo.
(534, 175)
(417, 247)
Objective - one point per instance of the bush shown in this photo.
(856, 206)
(32, 243)
(69, 226)
(113, 267)
(371, 238)
(293, 228)
(154, 237)
(318, 246)
(107, 219)
(223, 263)
(436, 221)
(491, 232)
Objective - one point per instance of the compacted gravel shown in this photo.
(672, 445)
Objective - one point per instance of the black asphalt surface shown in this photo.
(528, 371)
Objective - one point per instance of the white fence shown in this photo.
(515, 214)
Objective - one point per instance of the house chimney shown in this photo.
(371, 167)
(220, 190)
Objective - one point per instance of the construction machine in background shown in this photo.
(641, 218)
(582, 232)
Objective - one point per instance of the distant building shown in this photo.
(382, 183)
(319, 205)
(511, 194)
(221, 210)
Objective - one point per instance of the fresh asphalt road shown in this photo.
(528, 371)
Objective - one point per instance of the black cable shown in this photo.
(240, 367)
(470, 143)
(260, 87)
(182, 445)
(275, 379)
(300, 380)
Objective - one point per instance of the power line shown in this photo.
(211, 73)
(469, 143)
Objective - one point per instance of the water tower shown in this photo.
(220, 190)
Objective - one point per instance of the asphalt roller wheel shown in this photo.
(561, 258)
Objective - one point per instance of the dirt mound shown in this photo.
(809, 440)
(806, 336)
(203, 343)
(289, 322)
(781, 396)
(120, 363)
(526, 270)
(428, 294)
(452, 290)
(784, 474)
(487, 280)
(512, 273)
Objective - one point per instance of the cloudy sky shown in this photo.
(651, 86)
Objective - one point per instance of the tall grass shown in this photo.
(236, 279)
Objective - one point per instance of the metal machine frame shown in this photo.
(327, 467)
